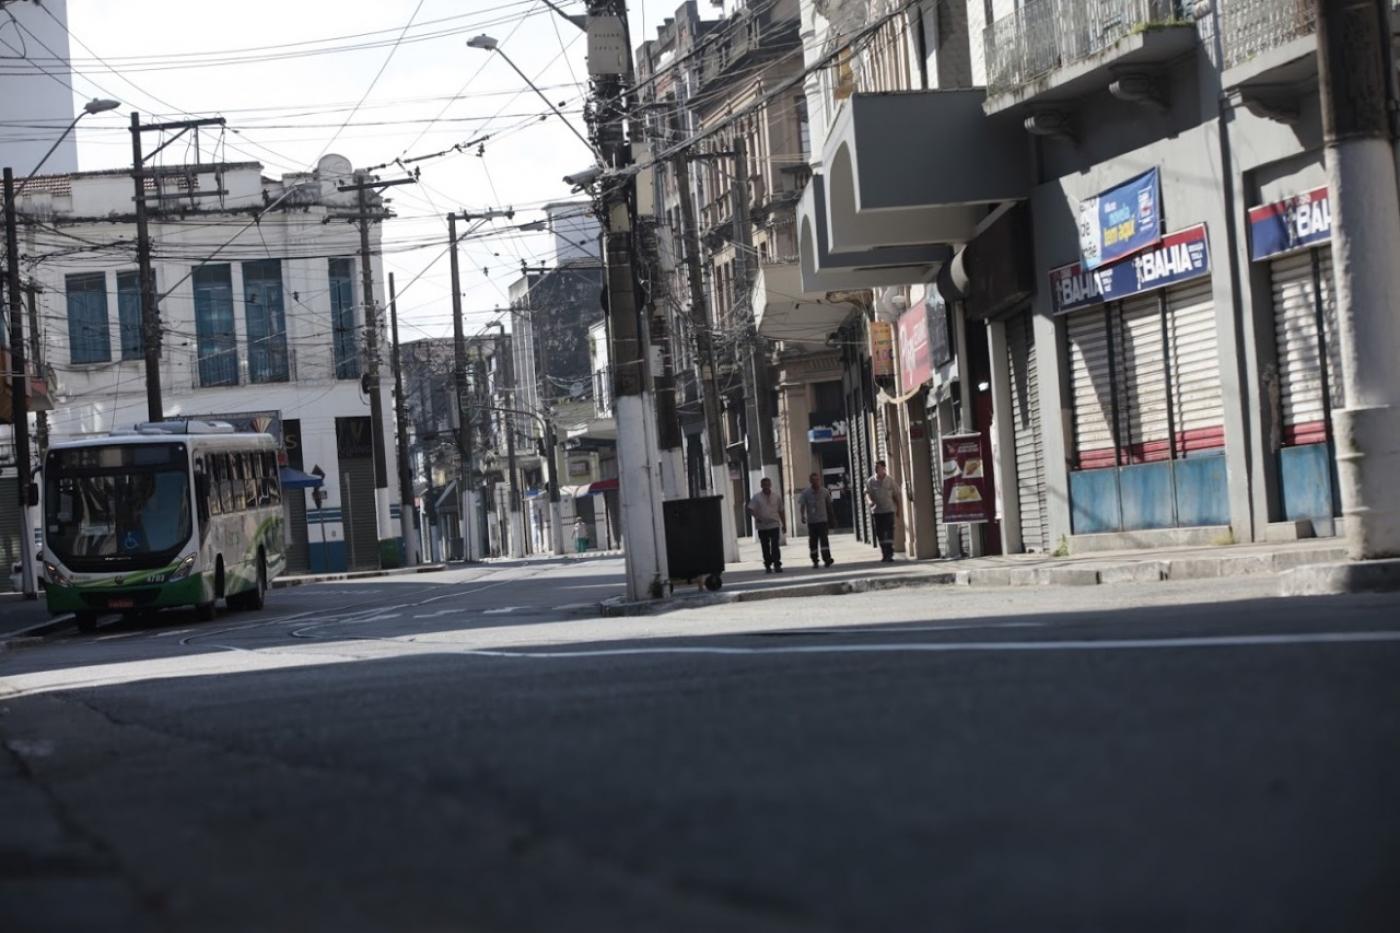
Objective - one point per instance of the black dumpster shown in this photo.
(695, 540)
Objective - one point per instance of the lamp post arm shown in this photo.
(56, 143)
(548, 103)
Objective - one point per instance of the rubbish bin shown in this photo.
(695, 540)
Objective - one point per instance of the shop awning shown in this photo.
(293, 478)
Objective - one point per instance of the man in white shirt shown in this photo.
(815, 503)
(766, 507)
(882, 493)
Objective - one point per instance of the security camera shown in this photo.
(584, 178)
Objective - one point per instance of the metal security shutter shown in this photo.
(1296, 345)
(1025, 430)
(1142, 383)
(9, 529)
(298, 552)
(1195, 367)
(357, 511)
(1335, 392)
(1090, 389)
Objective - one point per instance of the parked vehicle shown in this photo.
(171, 514)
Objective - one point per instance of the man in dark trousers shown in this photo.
(882, 493)
(768, 516)
(815, 503)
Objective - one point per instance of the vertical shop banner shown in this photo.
(915, 351)
(881, 349)
(966, 498)
(1120, 221)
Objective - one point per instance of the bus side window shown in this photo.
(250, 479)
(201, 494)
(226, 484)
(255, 470)
(274, 481)
(215, 485)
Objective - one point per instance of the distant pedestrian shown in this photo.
(815, 503)
(766, 507)
(882, 494)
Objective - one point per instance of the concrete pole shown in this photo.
(19, 388)
(466, 497)
(1356, 96)
(407, 513)
(639, 485)
(517, 520)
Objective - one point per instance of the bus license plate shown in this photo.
(120, 603)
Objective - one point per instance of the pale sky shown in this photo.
(249, 63)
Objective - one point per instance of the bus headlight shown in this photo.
(182, 571)
(55, 576)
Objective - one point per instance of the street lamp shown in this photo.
(96, 105)
(19, 407)
(489, 44)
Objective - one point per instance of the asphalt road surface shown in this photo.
(472, 751)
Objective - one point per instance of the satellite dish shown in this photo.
(334, 166)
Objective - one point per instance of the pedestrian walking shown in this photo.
(815, 503)
(882, 494)
(768, 517)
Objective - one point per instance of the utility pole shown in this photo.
(517, 521)
(467, 494)
(408, 513)
(763, 458)
(150, 310)
(19, 401)
(644, 534)
(668, 425)
(1356, 91)
(36, 353)
(704, 347)
(362, 187)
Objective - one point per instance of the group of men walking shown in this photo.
(815, 505)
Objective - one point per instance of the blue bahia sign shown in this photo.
(1180, 257)
(1121, 221)
(1291, 224)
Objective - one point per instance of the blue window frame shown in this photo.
(266, 318)
(129, 314)
(347, 344)
(215, 342)
(89, 333)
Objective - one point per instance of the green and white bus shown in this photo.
(173, 513)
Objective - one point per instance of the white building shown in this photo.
(37, 104)
(261, 313)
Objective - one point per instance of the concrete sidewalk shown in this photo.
(858, 569)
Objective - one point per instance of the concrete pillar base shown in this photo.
(1368, 461)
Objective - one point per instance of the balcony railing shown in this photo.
(1252, 27)
(1047, 34)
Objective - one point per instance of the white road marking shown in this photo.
(1107, 644)
(502, 610)
(440, 612)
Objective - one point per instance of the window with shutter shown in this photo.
(89, 336)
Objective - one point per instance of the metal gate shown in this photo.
(1025, 429)
(9, 528)
(1197, 400)
(1091, 391)
(357, 511)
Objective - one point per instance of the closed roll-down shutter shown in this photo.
(1335, 393)
(357, 511)
(1090, 389)
(298, 550)
(1142, 385)
(1296, 345)
(1195, 367)
(1025, 413)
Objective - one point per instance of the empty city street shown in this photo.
(474, 749)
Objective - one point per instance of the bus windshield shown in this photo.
(117, 507)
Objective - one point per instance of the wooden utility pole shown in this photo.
(150, 309)
(36, 353)
(19, 388)
(702, 327)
